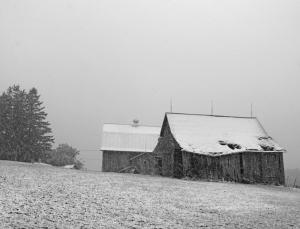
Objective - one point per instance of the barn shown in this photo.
(218, 148)
(129, 148)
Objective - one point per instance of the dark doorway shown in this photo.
(178, 168)
(159, 165)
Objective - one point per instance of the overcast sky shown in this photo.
(102, 61)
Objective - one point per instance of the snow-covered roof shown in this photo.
(218, 135)
(119, 137)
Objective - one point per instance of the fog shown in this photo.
(113, 61)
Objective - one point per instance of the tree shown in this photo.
(25, 134)
(13, 103)
(4, 126)
(64, 154)
(38, 131)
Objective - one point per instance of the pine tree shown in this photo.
(38, 131)
(24, 131)
(4, 134)
(12, 122)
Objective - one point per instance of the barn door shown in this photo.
(178, 168)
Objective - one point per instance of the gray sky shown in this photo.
(102, 61)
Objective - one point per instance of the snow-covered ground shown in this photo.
(33, 196)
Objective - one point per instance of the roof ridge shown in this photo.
(221, 116)
(123, 124)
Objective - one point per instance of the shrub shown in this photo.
(63, 155)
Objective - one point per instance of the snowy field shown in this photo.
(39, 196)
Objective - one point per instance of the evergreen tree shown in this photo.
(4, 126)
(12, 122)
(24, 131)
(38, 132)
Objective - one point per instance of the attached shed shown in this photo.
(129, 148)
(218, 148)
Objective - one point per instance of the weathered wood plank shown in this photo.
(114, 161)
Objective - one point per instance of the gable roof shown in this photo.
(218, 135)
(120, 137)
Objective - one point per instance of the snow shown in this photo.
(211, 135)
(42, 164)
(33, 196)
(130, 129)
(119, 137)
(69, 166)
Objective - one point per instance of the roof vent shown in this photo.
(135, 122)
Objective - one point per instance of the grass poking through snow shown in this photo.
(33, 196)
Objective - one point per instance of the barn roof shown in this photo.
(119, 137)
(218, 135)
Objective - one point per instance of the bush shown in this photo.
(63, 155)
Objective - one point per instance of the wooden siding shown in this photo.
(250, 167)
(114, 161)
(178, 167)
(165, 151)
(145, 163)
(273, 169)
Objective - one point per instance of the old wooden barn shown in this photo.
(219, 148)
(129, 148)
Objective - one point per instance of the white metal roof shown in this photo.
(119, 137)
(206, 134)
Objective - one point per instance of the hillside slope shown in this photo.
(44, 196)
